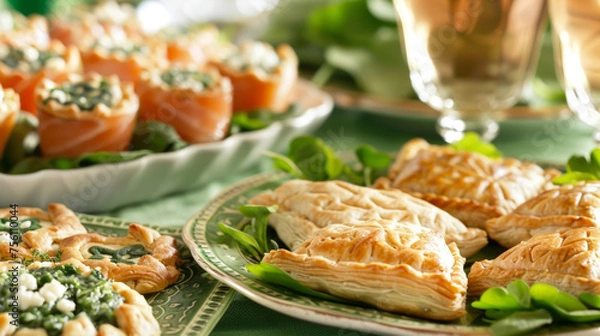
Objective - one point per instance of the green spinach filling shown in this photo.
(30, 60)
(122, 255)
(92, 295)
(5, 226)
(179, 77)
(85, 95)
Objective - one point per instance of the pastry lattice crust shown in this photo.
(398, 267)
(470, 186)
(564, 207)
(306, 206)
(151, 273)
(63, 223)
(567, 259)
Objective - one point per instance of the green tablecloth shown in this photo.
(543, 141)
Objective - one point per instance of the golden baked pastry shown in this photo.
(564, 207)
(567, 259)
(306, 206)
(39, 230)
(470, 186)
(144, 260)
(398, 267)
(37, 295)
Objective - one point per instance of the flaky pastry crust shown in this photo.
(470, 186)
(151, 273)
(306, 206)
(399, 267)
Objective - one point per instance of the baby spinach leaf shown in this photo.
(497, 298)
(579, 168)
(245, 240)
(370, 157)
(315, 159)
(157, 137)
(34, 164)
(274, 275)
(521, 322)
(573, 177)
(285, 164)
(590, 300)
(520, 290)
(258, 119)
(472, 143)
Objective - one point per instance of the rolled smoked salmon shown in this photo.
(197, 104)
(262, 78)
(85, 114)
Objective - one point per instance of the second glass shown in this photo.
(469, 59)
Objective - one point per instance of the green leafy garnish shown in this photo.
(472, 143)
(518, 308)
(157, 137)
(22, 143)
(252, 238)
(274, 275)
(259, 119)
(579, 168)
(310, 158)
(83, 94)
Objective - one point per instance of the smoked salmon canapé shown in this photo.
(16, 28)
(262, 77)
(86, 21)
(197, 104)
(23, 67)
(193, 45)
(85, 114)
(9, 108)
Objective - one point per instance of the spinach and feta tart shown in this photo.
(70, 299)
(85, 114)
(29, 59)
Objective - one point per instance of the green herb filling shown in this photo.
(85, 95)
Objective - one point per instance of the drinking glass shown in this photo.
(576, 41)
(470, 59)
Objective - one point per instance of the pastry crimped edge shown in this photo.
(64, 224)
(133, 317)
(501, 271)
(152, 273)
(449, 302)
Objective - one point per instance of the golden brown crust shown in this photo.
(566, 259)
(151, 273)
(402, 267)
(306, 206)
(63, 223)
(564, 207)
(470, 186)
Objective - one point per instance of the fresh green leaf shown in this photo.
(257, 211)
(595, 161)
(472, 143)
(370, 157)
(315, 159)
(285, 164)
(248, 121)
(109, 157)
(520, 290)
(157, 137)
(274, 275)
(521, 322)
(544, 294)
(245, 240)
(578, 163)
(590, 300)
(573, 177)
(497, 298)
(22, 143)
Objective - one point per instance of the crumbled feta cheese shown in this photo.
(52, 291)
(4, 50)
(5, 238)
(65, 305)
(6, 23)
(29, 299)
(55, 63)
(30, 54)
(59, 95)
(28, 281)
(25, 224)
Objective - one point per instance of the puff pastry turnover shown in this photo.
(567, 259)
(39, 230)
(398, 267)
(564, 207)
(132, 313)
(144, 260)
(470, 186)
(306, 206)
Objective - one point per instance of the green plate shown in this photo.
(222, 258)
(191, 306)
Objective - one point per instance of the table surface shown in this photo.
(549, 142)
